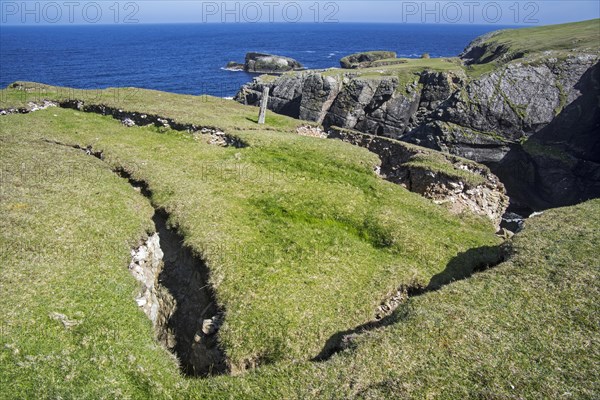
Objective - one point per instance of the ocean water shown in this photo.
(189, 58)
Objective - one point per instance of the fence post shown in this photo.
(263, 106)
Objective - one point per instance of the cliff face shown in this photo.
(559, 165)
(485, 106)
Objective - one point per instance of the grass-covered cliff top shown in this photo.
(577, 36)
(406, 70)
(301, 238)
(405, 66)
(186, 109)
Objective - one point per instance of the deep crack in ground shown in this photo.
(398, 307)
(189, 316)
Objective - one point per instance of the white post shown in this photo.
(263, 106)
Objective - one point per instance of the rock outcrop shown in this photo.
(560, 164)
(486, 115)
(235, 66)
(265, 64)
(153, 298)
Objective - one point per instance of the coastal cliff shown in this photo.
(523, 103)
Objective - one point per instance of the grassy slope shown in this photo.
(302, 239)
(529, 328)
(580, 36)
(204, 110)
(67, 226)
(531, 43)
(526, 329)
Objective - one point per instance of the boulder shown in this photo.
(265, 64)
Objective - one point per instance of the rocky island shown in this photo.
(265, 64)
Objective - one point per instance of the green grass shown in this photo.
(407, 70)
(528, 44)
(584, 36)
(439, 163)
(203, 110)
(475, 71)
(406, 66)
(526, 329)
(271, 78)
(389, 61)
(68, 224)
(310, 241)
(561, 39)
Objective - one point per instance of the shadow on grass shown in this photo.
(465, 264)
(460, 267)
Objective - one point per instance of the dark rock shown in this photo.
(512, 222)
(235, 66)
(560, 164)
(318, 94)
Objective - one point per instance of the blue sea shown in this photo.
(190, 58)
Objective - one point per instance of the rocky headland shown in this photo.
(526, 108)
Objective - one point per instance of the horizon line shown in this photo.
(285, 23)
